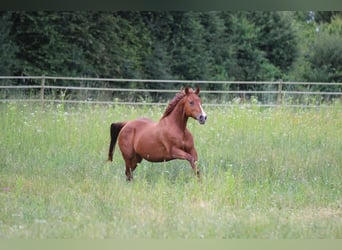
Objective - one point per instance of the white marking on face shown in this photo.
(203, 113)
(202, 117)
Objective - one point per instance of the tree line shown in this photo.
(212, 45)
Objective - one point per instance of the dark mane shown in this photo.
(173, 103)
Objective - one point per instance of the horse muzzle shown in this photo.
(202, 118)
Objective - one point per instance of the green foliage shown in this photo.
(326, 16)
(212, 45)
(189, 58)
(276, 37)
(158, 60)
(128, 44)
(45, 48)
(326, 55)
(7, 47)
(248, 58)
(320, 49)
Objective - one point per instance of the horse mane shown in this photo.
(173, 103)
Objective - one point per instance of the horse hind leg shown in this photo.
(131, 165)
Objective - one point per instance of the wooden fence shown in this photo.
(216, 93)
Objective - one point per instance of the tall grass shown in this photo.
(267, 173)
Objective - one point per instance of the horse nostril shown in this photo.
(202, 118)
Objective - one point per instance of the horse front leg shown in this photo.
(191, 157)
(193, 152)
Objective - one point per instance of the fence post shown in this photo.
(42, 90)
(279, 96)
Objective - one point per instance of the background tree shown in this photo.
(326, 53)
(276, 37)
(7, 47)
(214, 45)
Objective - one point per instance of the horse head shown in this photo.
(193, 105)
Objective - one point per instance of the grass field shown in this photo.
(270, 173)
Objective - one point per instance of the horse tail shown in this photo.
(115, 129)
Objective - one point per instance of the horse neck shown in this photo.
(178, 117)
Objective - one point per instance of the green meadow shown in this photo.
(268, 173)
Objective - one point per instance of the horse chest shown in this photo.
(182, 145)
(181, 142)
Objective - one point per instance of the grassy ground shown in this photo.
(272, 173)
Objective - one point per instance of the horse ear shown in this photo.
(186, 90)
(197, 91)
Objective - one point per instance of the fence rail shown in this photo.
(280, 90)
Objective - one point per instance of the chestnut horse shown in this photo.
(160, 141)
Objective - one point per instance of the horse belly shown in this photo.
(156, 157)
(152, 151)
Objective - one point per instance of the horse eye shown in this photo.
(191, 102)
